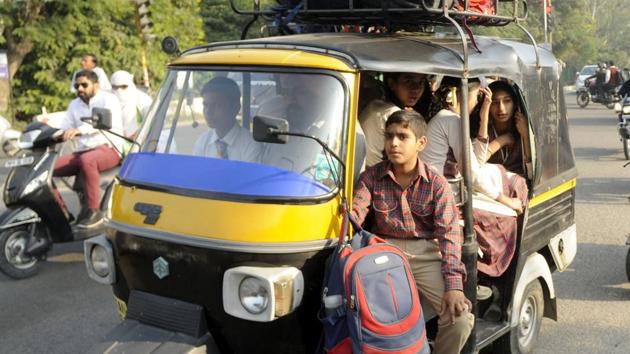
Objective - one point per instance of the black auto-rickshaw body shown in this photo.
(188, 233)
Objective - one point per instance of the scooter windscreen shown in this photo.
(39, 135)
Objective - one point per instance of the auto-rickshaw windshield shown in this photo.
(208, 114)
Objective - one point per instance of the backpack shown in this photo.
(370, 303)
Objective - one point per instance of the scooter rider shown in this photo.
(95, 153)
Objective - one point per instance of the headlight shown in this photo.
(35, 183)
(626, 109)
(98, 258)
(262, 294)
(253, 295)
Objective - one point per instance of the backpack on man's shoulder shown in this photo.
(370, 303)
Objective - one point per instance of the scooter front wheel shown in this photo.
(14, 261)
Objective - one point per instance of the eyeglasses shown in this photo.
(119, 87)
(82, 84)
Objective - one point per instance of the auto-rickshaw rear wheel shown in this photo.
(522, 338)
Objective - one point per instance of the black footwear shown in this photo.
(93, 218)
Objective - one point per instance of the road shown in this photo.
(62, 311)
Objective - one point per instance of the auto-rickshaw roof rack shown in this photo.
(391, 14)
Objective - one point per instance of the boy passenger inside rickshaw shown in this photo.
(402, 91)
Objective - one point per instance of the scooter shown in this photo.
(34, 219)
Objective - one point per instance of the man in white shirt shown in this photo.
(90, 62)
(225, 139)
(95, 152)
(134, 103)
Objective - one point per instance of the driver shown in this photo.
(95, 152)
(306, 109)
(225, 139)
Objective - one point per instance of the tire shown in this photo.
(628, 265)
(13, 261)
(583, 99)
(522, 338)
(626, 147)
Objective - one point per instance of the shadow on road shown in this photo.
(603, 190)
(600, 154)
(62, 258)
(597, 274)
(595, 121)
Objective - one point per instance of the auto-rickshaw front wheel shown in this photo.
(522, 338)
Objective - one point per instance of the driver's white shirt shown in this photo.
(90, 137)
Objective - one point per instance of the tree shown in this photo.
(48, 37)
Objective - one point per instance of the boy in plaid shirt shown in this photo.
(414, 209)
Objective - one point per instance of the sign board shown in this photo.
(4, 66)
(5, 86)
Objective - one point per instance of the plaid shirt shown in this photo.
(426, 209)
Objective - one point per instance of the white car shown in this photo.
(581, 75)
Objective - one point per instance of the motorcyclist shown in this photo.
(612, 77)
(95, 153)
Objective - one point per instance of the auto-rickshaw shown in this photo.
(216, 255)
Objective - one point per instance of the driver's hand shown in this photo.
(70, 134)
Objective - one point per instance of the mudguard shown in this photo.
(536, 267)
(17, 216)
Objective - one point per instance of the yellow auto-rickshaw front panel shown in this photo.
(275, 57)
(227, 220)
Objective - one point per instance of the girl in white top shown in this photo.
(444, 134)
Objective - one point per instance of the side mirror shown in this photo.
(101, 118)
(267, 129)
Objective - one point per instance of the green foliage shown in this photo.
(222, 24)
(66, 30)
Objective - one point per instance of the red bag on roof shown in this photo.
(486, 7)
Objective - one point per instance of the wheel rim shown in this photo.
(527, 322)
(14, 251)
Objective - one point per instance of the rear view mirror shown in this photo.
(270, 129)
(101, 118)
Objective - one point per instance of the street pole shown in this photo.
(143, 54)
(545, 19)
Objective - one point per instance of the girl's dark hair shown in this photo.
(409, 119)
(423, 104)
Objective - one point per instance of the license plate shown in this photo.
(19, 162)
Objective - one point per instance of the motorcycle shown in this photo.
(590, 92)
(34, 219)
(623, 127)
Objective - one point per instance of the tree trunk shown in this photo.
(16, 51)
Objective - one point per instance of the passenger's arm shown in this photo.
(362, 197)
(523, 129)
(447, 231)
(502, 140)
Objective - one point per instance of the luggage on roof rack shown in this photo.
(392, 13)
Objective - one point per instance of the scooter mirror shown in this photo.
(268, 129)
(101, 118)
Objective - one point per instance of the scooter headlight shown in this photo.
(35, 183)
(98, 257)
(253, 295)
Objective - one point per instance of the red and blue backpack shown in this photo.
(370, 303)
